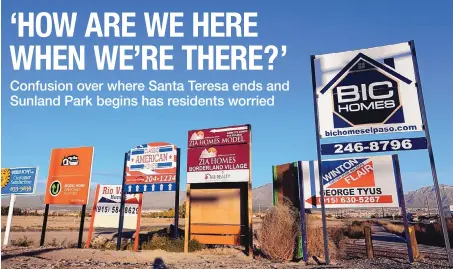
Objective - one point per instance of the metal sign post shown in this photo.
(123, 201)
(82, 221)
(10, 217)
(178, 162)
(318, 145)
(302, 211)
(431, 154)
(402, 202)
(44, 226)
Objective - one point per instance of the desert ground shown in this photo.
(65, 229)
(62, 233)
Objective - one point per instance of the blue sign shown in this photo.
(20, 180)
(374, 146)
(138, 188)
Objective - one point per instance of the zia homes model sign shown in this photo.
(219, 155)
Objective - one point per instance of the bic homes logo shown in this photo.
(366, 92)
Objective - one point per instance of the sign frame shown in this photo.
(345, 171)
(424, 124)
(398, 110)
(148, 171)
(234, 157)
(34, 183)
(13, 200)
(93, 216)
(124, 192)
(246, 201)
(83, 210)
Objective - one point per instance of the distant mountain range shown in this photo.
(262, 199)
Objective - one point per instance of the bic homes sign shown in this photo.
(367, 91)
(219, 155)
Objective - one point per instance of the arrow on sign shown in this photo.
(152, 187)
(130, 188)
(137, 187)
(161, 187)
(312, 200)
(229, 129)
(145, 187)
(169, 187)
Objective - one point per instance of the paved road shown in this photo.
(386, 244)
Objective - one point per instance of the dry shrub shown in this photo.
(22, 242)
(278, 232)
(431, 234)
(392, 228)
(164, 242)
(315, 244)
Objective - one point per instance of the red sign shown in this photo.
(152, 163)
(218, 164)
(230, 135)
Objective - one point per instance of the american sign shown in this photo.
(152, 163)
(108, 206)
(351, 183)
(367, 92)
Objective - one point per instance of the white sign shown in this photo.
(366, 92)
(108, 207)
(151, 163)
(351, 183)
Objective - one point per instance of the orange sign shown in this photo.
(69, 176)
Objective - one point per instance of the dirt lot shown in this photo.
(64, 229)
(32, 223)
(20, 258)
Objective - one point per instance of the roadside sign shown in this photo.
(374, 146)
(219, 156)
(151, 167)
(351, 183)
(366, 92)
(229, 135)
(218, 164)
(107, 208)
(69, 176)
(19, 180)
(152, 163)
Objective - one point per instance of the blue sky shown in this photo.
(281, 134)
